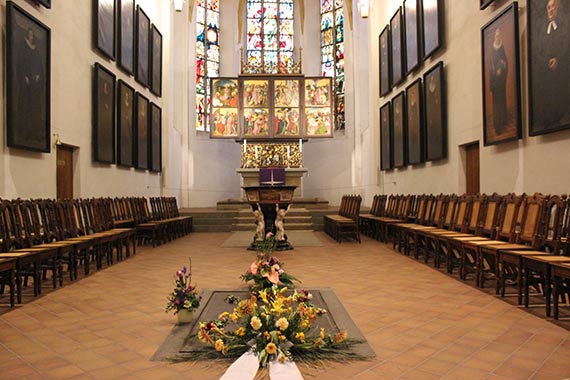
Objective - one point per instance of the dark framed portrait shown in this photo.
(484, 3)
(125, 124)
(142, 58)
(141, 132)
(432, 17)
(126, 56)
(155, 138)
(500, 73)
(398, 131)
(413, 35)
(435, 113)
(45, 3)
(156, 61)
(398, 47)
(104, 26)
(104, 115)
(548, 28)
(385, 62)
(28, 62)
(385, 137)
(414, 123)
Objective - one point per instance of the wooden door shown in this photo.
(64, 172)
(472, 168)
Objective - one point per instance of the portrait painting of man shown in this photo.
(385, 138)
(104, 109)
(385, 64)
(501, 90)
(142, 123)
(156, 61)
(415, 135)
(126, 113)
(398, 48)
(142, 72)
(412, 33)
(435, 113)
(127, 35)
(549, 65)
(105, 27)
(399, 130)
(28, 80)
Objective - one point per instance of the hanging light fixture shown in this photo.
(363, 8)
(178, 5)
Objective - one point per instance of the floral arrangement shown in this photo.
(274, 326)
(267, 270)
(185, 295)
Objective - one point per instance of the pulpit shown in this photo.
(270, 205)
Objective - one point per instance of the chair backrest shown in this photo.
(449, 207)
(552, 223)
(531, 220)
(492, 206)
(463, 209)
(438, 208)
(508, 217)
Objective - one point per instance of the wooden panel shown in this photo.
(472, 168)
(64, 172)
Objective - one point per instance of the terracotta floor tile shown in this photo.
(421, 323)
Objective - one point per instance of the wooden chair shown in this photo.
(346, 223)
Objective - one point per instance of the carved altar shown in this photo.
(273, 202)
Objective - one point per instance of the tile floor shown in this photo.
(421, 323)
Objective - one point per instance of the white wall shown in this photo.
(528, 165)
(27, 174)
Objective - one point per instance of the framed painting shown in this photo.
(398, 130)
(105, 27)
(125, 123)
(45, 3)
(256, 93)
(413, 35)
(28, 63)
(156, 61)
(141, 132)
(414, 123)
(432, 17)
(142, 72)
(318, 122)
(398, 48)
(318, 92)
(155, 138)
(385, 63)
(224, 123)
(256, 122)
(286, 92)
(484, 3)
(103, 115)
(126, 56)
(435, 113)
(225, 92)
(500, 73)
(548, 53)
(385, 137)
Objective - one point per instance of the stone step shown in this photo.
(308, 203)
(288, 227)
(212, 228)
(292, 212)
(288, 219)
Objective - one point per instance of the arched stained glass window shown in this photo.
(207, 57)
(270, 35)
(332, 52)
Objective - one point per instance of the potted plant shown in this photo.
(184, 299)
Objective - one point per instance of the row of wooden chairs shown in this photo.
(42, 235)
(346, 223)
(515, 239)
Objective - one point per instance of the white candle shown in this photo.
(288, 152)
(244, 145)
(300, 145)
(256, 155)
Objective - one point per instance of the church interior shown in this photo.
(392, 163)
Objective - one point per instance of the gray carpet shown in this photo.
(242, 239)
(181, 341)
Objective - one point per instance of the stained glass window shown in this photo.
(270, 35)
(207, 57)
(332, 52)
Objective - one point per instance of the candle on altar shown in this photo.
(244, 146)
(288, 152)
(256, 154)
(300, 145)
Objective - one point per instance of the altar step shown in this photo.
(215, 220)
(308, 203)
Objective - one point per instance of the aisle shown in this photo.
(421, 323)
